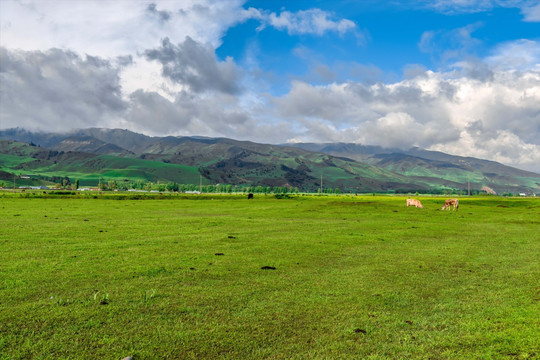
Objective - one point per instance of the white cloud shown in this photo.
(431, 110)
(398, 129)
(450, 44)
(312, 21)
(146, 74)
(458, 6)
(117, 28)
(111, 28)
(520, 54)
(529, 8)
(531, 13)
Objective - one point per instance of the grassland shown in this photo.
(354, 278)
(102, 166)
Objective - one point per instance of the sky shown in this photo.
(458, 76)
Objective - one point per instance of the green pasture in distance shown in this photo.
(308, 277)
(102, 167)
(9, 161)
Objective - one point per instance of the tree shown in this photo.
(112, 184)
(66, 182)
(172, 186)
(76, 184)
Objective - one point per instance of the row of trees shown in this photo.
(439, 191)
(175, 187)
(66, 183)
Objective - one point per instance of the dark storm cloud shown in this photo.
(57, 89)
(124, 60)
(162, 15)
(154, 113)
(195, 65)
(217, 115)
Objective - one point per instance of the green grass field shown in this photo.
(354, 278)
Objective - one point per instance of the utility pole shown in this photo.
(200, 184)
(13, 181)
(321, 185)
(468, 186)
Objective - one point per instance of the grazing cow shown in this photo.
(414, 202)
(250, 196)
(452, 202)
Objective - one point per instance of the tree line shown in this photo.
(64, 182)
(176, 187)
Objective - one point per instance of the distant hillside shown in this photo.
(91, 153)
(37, 162)
(217, 160)
(436, 167)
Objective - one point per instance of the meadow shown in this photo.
(305, 277)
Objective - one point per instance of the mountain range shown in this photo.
(89, 154)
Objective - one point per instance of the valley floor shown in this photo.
(224, 277)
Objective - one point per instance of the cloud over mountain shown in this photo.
(281, 71)
(58, 89)
(432, 110)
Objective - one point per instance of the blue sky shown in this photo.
(386, 38)
(459, 76)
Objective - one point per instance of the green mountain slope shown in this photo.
(24, 159)
(222, 161)
(350, 167)
(437, 168)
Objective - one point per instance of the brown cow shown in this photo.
(452, 202)
(414, 202)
